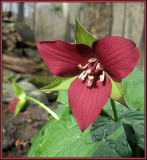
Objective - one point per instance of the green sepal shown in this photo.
(18, 91)
(117, 93)
(60, 84)
(20, 106)
(82, 36)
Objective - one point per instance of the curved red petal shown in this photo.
(117, 55)
(87, 103)
(63, 58)
(12, 105)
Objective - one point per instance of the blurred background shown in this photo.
(23, 24)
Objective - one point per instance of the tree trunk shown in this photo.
(134, 27)
(96, 18)
(34, 17)
(66, 15)
(10, 6)
(20, 14)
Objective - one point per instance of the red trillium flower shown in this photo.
(89, 92)
(12, 104)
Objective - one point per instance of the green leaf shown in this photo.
(64, 139)
(20, 106)
(104, 138)
(134, 90)
(117, 93)
(63, 97)
(59, 84)
(62, 110)
(82, 36)
(19, 92)
(135, 119)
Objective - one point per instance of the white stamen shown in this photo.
(90, 77)
(90, 81)
(98, 67)
(83, 67)
(102, 76)
(92, 60)
(82, 74)
(88, 71)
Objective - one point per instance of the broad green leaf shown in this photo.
(104, 138)
(20, 106)
(64, 139)
(82, 36)
(113, 148)
(19, 92)
(59, 84)
(117, 93)
(63, 97)
(135, 119)
(134, 90)
(62, 110)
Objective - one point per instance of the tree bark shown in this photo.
(134, 27)
(97, 18)
(20, 14)
(66, 15)
(34, 17)
(10, 6)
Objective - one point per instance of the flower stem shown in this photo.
(114, 110)
(43, 106)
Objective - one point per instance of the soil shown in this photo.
(17, 132)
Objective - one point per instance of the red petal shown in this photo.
(117, 55)
(87, 103)
(12, 105)
(63, 58)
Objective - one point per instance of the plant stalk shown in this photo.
(114, 110)
(43, 106)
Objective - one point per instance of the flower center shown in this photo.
(92, 70)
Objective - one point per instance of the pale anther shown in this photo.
(90, 77)
(92, 60)
(102, 76)
(81, 74)
(90, 82)
(84, 76)
(88, 71)
(98, 67)
(83, 67)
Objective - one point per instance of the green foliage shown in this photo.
(19, 92)
(59, 84)
(135, 120)
(105, 138)
(82, 36)
(117, 92)
(134, 90)
(20, 106)
(63, 97)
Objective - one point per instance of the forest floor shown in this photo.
(17, 132)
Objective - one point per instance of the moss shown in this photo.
(40, 82)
